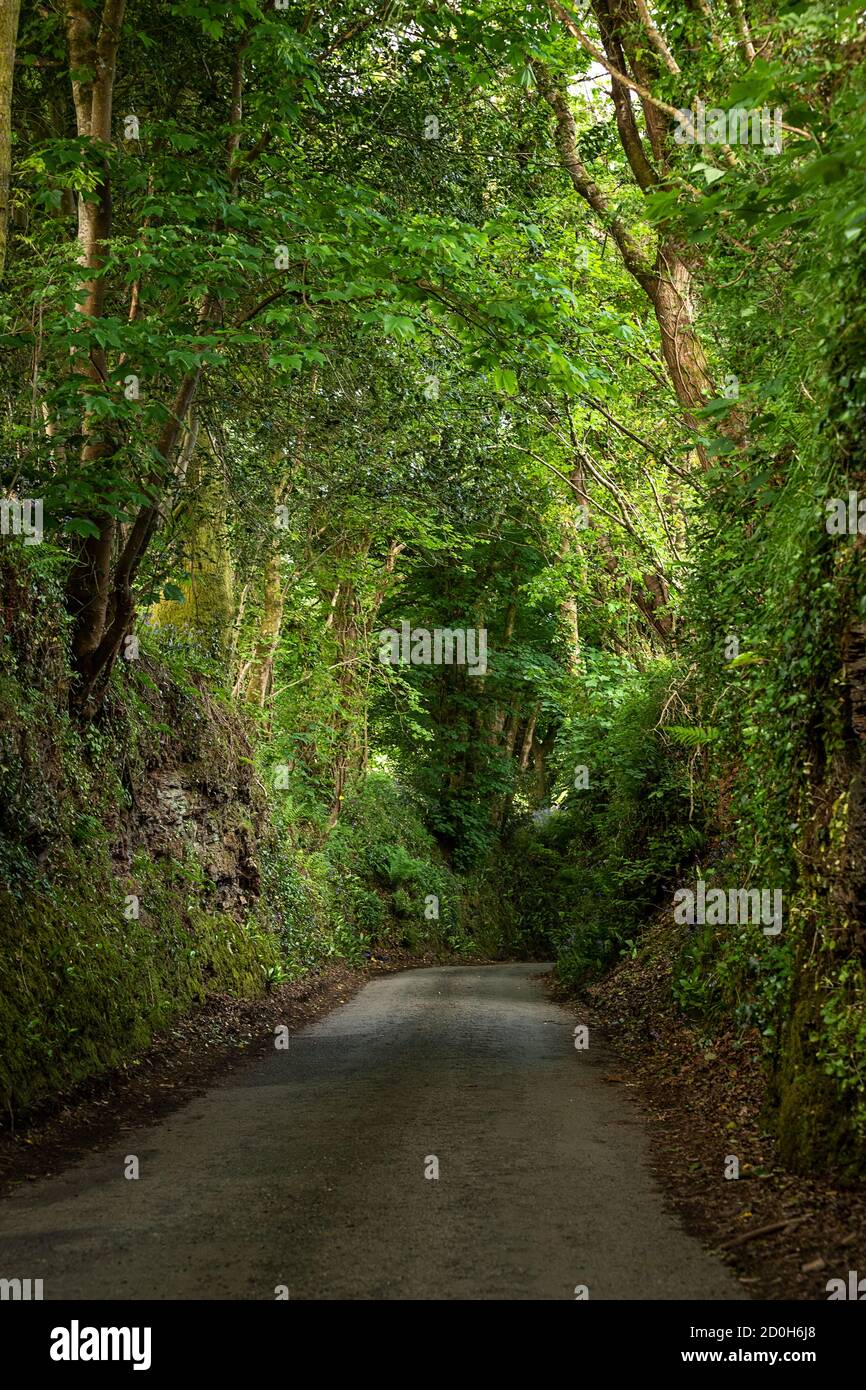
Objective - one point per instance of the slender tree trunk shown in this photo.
(666, 277)
(570, 548)
(347, 721)
(9, 11)
(527, 740)
(207, 612)
(101, 601)
(260, 678)
(92, 60)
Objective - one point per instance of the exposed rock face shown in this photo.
(194, 797)
(179, 813)
(166, 769)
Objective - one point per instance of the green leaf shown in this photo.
(80, 526)
(504, 379)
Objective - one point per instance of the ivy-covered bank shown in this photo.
(147, 860)
(673, 799)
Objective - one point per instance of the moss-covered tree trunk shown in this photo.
(260, 679)
(205, 616)
(349, 716)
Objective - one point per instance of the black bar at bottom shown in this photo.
(244, 1338)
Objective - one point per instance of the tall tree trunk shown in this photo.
(259, 682)
(92, 61)
(260, 678)
(207, 612)
(666, 276)
(570, 548)
(100, 601)
(9, 11)
(348, 720)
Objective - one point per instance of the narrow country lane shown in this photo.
(308, 1169)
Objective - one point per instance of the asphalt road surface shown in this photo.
(312, 1170)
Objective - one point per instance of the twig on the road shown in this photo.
(760, 1231)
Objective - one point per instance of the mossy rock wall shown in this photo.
(130, 885)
